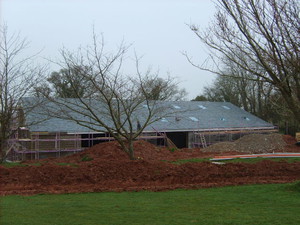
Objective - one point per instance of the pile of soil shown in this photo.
(252, 143)
(290, 143)
(144, 150)
(105, 167)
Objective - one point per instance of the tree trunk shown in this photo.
(127, 146)
(131, 150)
(3, 151)
(291, 103)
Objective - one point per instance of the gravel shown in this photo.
(252, 143)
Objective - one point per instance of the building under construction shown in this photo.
(191, 124)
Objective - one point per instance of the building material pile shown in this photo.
(252, 143)
(252, 156)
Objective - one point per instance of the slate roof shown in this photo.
(209, 116)
(182, 116)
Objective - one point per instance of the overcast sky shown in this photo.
(156, 29)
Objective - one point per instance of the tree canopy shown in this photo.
(66, 80)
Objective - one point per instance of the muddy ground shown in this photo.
(104, 167)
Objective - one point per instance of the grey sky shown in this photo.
(156, 28)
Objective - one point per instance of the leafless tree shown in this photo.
(17, 77)
(252, 96)
(266, 33)
(115, 103)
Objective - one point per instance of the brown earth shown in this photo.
(104, 167)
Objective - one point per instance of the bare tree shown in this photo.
(17, 77)
(116, 103)
(252, 96)
(266, 33)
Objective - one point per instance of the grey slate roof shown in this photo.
(210, 116)
(182, 116)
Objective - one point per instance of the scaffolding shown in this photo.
(39, 145)
(26, 145)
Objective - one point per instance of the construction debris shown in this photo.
(252, 156)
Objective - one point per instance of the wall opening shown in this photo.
(178, 138)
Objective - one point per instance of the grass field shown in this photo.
(254, 204)
(180, 161)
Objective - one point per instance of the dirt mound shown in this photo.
(290, 140)
(112, 151)
(252, 143)
(291, 144)
(144, 150)
(109, 151)
(141, 175)
(105, 167)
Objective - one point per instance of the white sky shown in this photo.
(156, 28)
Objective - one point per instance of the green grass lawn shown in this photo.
(253, 204)
(178, 162)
